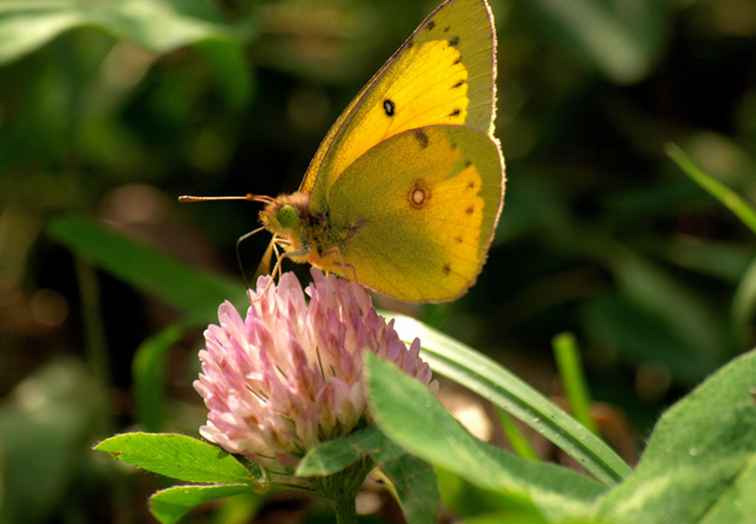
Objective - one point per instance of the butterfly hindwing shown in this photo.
(417, 212)
(443, 74)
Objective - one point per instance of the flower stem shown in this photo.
(341, 489)
(345, 510)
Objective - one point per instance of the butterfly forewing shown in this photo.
(443, 74)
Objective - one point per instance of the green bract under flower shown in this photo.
(289, 375)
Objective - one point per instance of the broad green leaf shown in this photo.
(622, 39)
(178, 456)
(148, 368)
(169, 505)
(335, 455)
(427, 430)
(193, 291)
(699, 463)
(158, 25)
(731, 200)
(462, 364)
(415, 488)
(514, 517)
(464, 499)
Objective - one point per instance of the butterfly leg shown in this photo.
(341, 263)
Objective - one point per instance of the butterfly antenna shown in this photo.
(249, 197)
(241, 239)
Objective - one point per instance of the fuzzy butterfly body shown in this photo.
(404, 193)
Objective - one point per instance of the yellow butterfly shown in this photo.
(404, 193)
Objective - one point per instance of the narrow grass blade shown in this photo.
(717, 189)
(519, 443)
(571, 371)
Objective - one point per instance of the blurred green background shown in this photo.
(109, 109)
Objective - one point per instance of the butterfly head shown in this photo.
(285, 216)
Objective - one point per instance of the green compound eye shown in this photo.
(288, 216)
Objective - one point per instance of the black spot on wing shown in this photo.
(389, 107)
(431, 24)
(446, 269)
(456, 112)
(446, 29)
(458, 84)
(470, 210)
(454, 41)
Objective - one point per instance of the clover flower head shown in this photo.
(289, 375)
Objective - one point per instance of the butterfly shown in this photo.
(405, 191)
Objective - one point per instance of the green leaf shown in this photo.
(45, 423)
(239, 509)
(158, 25)
(196, 292)
(169, 505)
(178, 456)
(622, 39)
(148, 368)
(515, 517)
(571, 371)
(699, 466)
(717, 189)
(415, 486)
(744, 306)
(427, 430)
(335, 455)
(465, 366)
(508, 517)
(520, 444)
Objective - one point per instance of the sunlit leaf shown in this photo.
(557, 491)
(158, 25)
(462, 364)
(700, 462)
(178, 456)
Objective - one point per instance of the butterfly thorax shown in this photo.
(305, 236)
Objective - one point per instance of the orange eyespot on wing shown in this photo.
(443, 74)
(421, 209)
